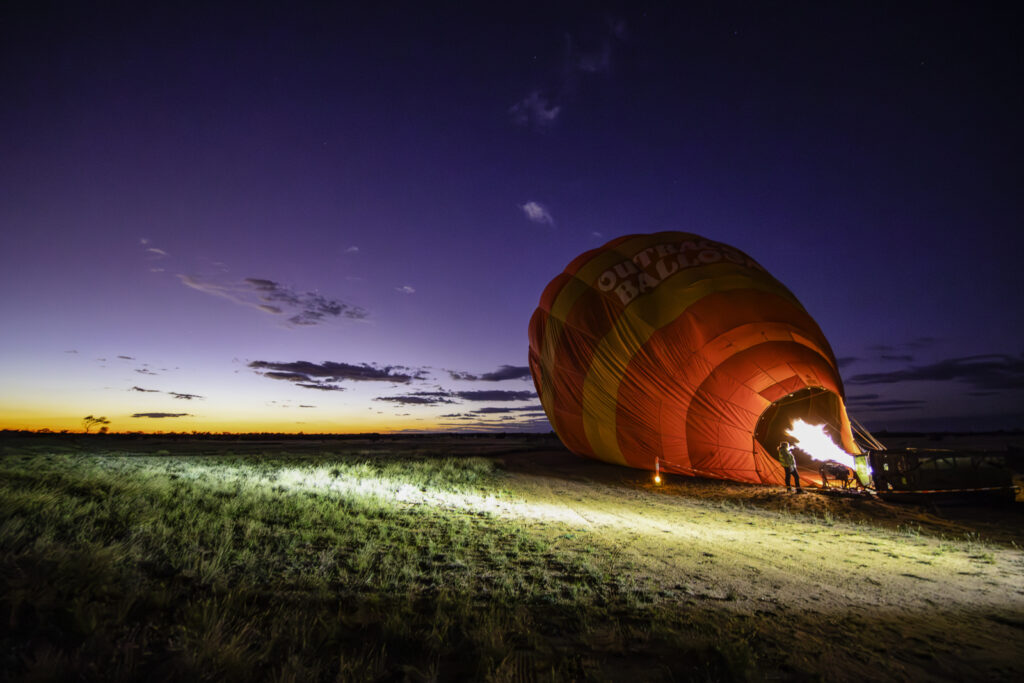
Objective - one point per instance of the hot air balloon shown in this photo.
(672, 352)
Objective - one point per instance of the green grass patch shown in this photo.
(357, 565)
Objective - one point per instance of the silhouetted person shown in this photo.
(788, 461)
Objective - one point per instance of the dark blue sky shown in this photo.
(389, 189)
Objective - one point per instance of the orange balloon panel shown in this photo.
(668, 348)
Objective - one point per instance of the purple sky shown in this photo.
(275, 207)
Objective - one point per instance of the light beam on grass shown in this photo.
(402, 493)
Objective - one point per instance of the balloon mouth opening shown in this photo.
(811, 406)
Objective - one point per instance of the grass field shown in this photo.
(478, 559)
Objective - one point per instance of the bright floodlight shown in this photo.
(813, 441)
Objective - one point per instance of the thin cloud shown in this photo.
(536, 110)
(542, 107)
(505, 372)
(420, 398)
(268, 296)
(593, 62)
(984, 372)
(287, 376)
(158, 253)
(495, 423)
(325, 376)
(126, 358)
(405, 289)
(311, 307)
(160, 415)
(495, 395)
(413, 400)
(444, 397)
(352, 250)
(173, 394)
(322, 386)
(495, 410)
(537, 213)
(888, 405)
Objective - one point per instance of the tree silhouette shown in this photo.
(89, 422)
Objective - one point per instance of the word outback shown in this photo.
(652, 266)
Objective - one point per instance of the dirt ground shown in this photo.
(844, 586)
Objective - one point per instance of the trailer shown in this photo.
(933, 475)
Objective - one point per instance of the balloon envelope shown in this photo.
(674, 351)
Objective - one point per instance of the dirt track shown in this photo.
(847, 587)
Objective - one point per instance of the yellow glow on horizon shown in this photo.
(58, 419)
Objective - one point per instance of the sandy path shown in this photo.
(808, 575)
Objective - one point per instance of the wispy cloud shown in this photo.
(585, 56)
(889, 405)
(268, 296)
(308, 308)
(874, 403)
(352, 250)
(537, 213)
(592, 62)
(159, 415)
(405, 289)
(320, 386)
(173, 394)
(495, 395)
(860, 397)
(422, 398)
(495, 418)
(536, 110)
(324, 376)
(158, 253)
(505, 372)
(496, 410)
(185, 397)
(440, 397)
(989, 372)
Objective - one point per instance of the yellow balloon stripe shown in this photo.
(639, 321)
(579, 284)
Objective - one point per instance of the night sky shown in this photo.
(278, 217)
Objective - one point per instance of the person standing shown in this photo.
(788, 461)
